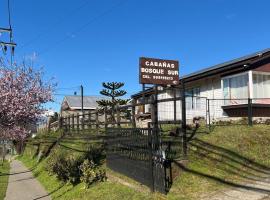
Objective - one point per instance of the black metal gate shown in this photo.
(136, 153)
(145, 154)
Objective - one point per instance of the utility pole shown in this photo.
(82, 99)
(82, 108)
(10, 44)
(4, 45)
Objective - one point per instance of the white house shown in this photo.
(226, 86)
(73, 104)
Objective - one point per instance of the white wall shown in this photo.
(209, 88)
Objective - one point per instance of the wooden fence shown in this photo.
(95, 119)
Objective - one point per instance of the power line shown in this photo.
(69, 88)
(80, 29)
(59, 94)
(46, 31)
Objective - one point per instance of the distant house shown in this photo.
(227, 86)
(44, 120)
(73, 104)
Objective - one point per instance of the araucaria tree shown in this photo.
(113, 91)
(22, 93)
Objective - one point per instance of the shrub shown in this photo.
(91, 173)
(73, 166)
(72, 169)
(54, 162)
(267, 121)
(95, 152)
(65, 166)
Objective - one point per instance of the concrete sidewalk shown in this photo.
(22, 185)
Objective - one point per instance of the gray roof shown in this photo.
(225, 64)
(89, 102)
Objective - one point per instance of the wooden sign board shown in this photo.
(159, 71)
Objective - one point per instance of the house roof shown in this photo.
(226, 65)
(89, 102)
(238, 63)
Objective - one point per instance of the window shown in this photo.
(261, 85)
(235, 88)
(192, 99)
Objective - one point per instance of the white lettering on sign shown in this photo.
(172, 72)
(159, 71)
(152, 71)
(163, 78)
(145, 76)
(159, 64)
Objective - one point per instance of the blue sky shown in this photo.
(90, 41)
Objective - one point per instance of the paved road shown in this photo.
(22, 185)
(258, 190)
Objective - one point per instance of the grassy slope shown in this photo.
(105, 190)
(228, 156)
(4, 170)
(59, 190)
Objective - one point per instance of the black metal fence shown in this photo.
(144, 150)
(143, 137)
(244, 111)
(135, 153)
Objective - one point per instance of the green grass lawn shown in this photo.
(4, 170)
(228, 156)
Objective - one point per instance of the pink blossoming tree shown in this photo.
(22, 95)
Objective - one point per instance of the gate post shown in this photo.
(83, 117)
(68, 119)
(72, 122)
(184, 123)
(105, 118)
(174, 105)
(118, 117)
(133, 113)
(97, 122)
(250, 123)
(155, 109)
(78, 122)
(153, 134)
(209, 117)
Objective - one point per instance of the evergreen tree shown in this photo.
(113, 91)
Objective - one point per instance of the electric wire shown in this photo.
(46, 31)
(81, 28)
(69, 88)
(59, 94)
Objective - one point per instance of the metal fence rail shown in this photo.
(238, 111)
(143, 137)
(135, 152)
